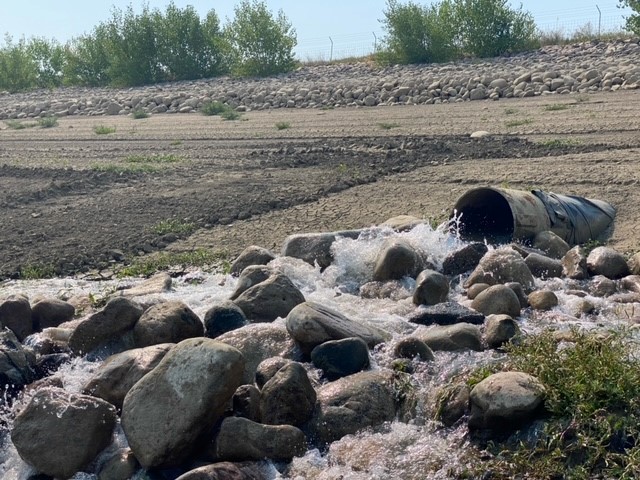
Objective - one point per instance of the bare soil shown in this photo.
(75, 200)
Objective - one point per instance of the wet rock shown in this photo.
(551, 244)
(288, 398)
(500, 329)
(51, 312)
(505, 400)
(251, 276)
(453, 403)
(497, 299)
(274, 297)
(634, 264)
(268, 368)
(246, 402)
(258, 342)
(222, 318)
(396, 259)
(166, 322)
(120, 466)
(519, 291)
(311, 324)
(15, 314)
(339, 358)
(158, 283)
(169, 408)
(314, 247)
(475, 290)
(394, 290)
(431, 288)
(446, 313)
(608, 262)
(631, 283)
(451, 338)
(252, 255)
(411, 347)
(361, 400)
(574, 264)
(229, 471)
(543, 300)
(15, 368)
(59, 433)
(118, 373)
(543, 267)
(465, 259)
(402, 223)
(243, 439)
(117, 317)
(601, 286)
(501, 266)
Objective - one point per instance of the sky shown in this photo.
(352, 26)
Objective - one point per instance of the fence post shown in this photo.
(331, 54)
(375, 42)
(599, 20)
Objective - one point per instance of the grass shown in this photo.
(37, 271)
(177, 227)
(518, 123)
(230, 115)
(559, 143)
(103, 130)
(124, 169)
(510, 111)
(283, 125)
(142, 159)
(582, 98)
(175, 143)
(593, 407)
(214, 108)
(48, 121)
(201, 258)
(18, 125)
(138, 114)
(388, 125)
(556, 107)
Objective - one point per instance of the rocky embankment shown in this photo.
(586, 67)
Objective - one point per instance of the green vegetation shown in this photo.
(388, 125)
(633, 20)
(37, 271)
(230, 115)
(214, 108)
(119, 168)
(166, 158)
(103, 130)
(201, 258)
(559, 143)
(283, 125)
(48, 122)
(138, 114)
(518, 123)
(175, 143)
(592, 386)
(510, 111)
(556, 107)
(18, 125)
(177, 227)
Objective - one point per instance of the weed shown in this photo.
(177, 227)
(518, 123)
(283, 125)
(175, 143)
(388, 125)
(37, 271)
(197, 258)
(230, 115)
(139, 113)
(103, 130)
(167, 158)
(48, 121)
(214, 108)
(121, 169)
(559, 143)
(510, 111)
(18, 125)
(582, 98)
(556, 107)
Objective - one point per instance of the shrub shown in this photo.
(48, 122)
(214, 108)
(283, 125)
(139, 113)
(87, 60)
(103, 130)
(18, 70)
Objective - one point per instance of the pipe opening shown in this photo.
(486, 214)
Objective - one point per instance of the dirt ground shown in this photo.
(75, 200)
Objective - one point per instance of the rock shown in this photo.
(169, 408)
(519, 291)
(252, 255)
(166, 322)
(551, 244)
(229, 471)
(505, 401)
(246, 402)
(543, 300)
(251, 276)
(257, 342)
(608, 262)
(339, 358)
(394, 290)
(411, 347)
(288, 398)
(402, 223)
(117, 317)
(475, 290)
(242, 439)
(268, 368)
(51, 312)
(396, 259)
(574, 264)
(497, 299)
(634, 264)
(601, 286)
(352, 403)
(465, 259)
(113, 108)
(314, 247)
(118, 373)
(499, 329)
(431, 288)
(453, 403)
(479, 134)
(311, 324)
(121, 466)
(59, 433)
(631, 283)
(274, 297)
(222, 318)
(501, 266)
(15, 368)
(451, 338)
(446, 313)
(158, 283)
(543, 267)
(15, 314)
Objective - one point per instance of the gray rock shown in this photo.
(631, 283)
(339, 358)
(118, 373)
(166, 322)
(519, 291)
(634, 264)
(451, 338)
(60, 433)
(446, 313)
(543, 267)
(169, 408)
(453, 403)
(543, 300)
(311, 324)
(229, 471)
(288, 398)
(396, 259)
(274, 297)
(475, 290)
(497, 299)
(120, 466)
(15, 368)
(608, 262)
(51, 312)
(15, 314)
(113, 108)
(431, 288)
(574, 264)
(246, 402)
(222, 318)
(268, 368)
(465, 259)
(499, 329)
(252, 255)
(394, 290)
(505, 400)
(314, 247)
(601, 286)
(251, 276)
(402, 223)
(501, 266)
(551, 244)
(158, 283)
(411, 347)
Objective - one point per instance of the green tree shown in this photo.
(49, 58)
(633, 21)
(87, 59)
(260, 44)
(18, 70)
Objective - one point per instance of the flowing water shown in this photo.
(416, 449)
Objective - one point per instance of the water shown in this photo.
(415, 450)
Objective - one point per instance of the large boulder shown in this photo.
(222, 318)
(608, 262)
(499, 329)
(362, 400)
(505, 401)
(229, 471)
(497, 300)
(117, 317)
(543, 267)
(339, 358)
(431, 288)
(465, 259)
(412, 347)
(274, 297)
(543, 300)
(396, 259)
(166, 322)
(634, 264)
(169, 408)
(451, 338)
(311, 324)
(446, 313)
(242, 439)
(288, 398)
(118, 373)
(15, 368)
(251, 276)
(60, 433)
(258, 342)
(252, 255)
(551, 244)
(574, 264)
(122, 465)
(158, 283)
(314, 247)
(51, 312)
(15, 314)
(501, 266)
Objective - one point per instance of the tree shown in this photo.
(633, 21)
(18, 70)
(49, 59)
(87, 60)
(259, 43)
